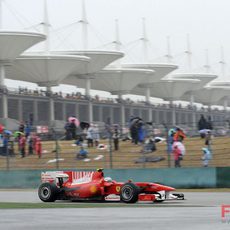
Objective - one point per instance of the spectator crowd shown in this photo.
(27, 141)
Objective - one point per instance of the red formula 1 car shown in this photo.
(73, 185)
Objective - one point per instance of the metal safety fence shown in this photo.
(59, 150)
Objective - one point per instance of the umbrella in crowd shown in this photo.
(17, 133)
(204, 131)
(1, 128)
(76, 121)
(171, 132)
(136, 120)
(7, 132)
(159, 139)
(84, 125)
(180, 146)
(102, 147)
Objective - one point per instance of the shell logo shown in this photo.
(118, 188)
(93, 189)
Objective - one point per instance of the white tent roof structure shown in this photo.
(161, 70)
(220, 84)
(204, 78)
(209, 95)
(98, 59)
(117, 81)
(12, 44)
(169, 90)
(224, 101)
(45, 70)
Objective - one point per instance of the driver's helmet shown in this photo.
(100, 169)
(108, 179)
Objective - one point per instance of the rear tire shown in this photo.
(48, 192)
(129, 193)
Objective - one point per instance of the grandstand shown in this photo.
(96, 70)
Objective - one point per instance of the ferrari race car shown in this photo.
(74, 185)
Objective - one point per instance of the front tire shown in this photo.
(129, 193)
(48, 192)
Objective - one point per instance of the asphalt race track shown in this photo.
(200, 210)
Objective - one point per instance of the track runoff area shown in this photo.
(201, 209)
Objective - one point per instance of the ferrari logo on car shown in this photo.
(118, 188)
(93, 189)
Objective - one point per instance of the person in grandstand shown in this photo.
(38, 147)
(179, 135)
(82, 154)
(22, 144)
(116, 137)
(89, 136)
(206, 156)
(177, 156)
(95, 135)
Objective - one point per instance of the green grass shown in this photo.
(12, 205)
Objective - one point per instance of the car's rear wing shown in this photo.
(73, 176)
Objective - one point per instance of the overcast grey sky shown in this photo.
(206, 21)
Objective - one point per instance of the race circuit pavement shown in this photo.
(200, 210)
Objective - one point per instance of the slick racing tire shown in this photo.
(48, 192)
(129, 193)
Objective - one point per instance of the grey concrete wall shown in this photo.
(178, 178)
(223, 177)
